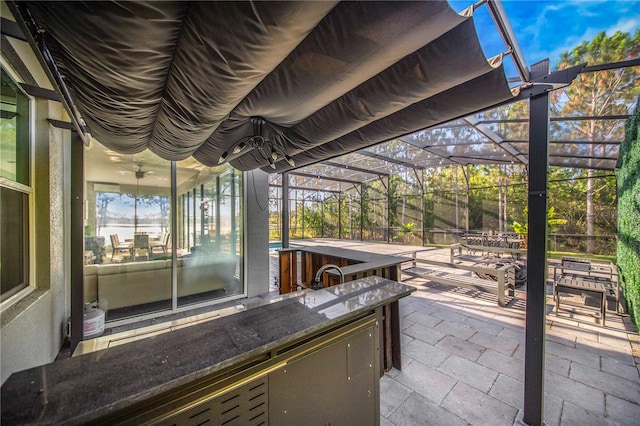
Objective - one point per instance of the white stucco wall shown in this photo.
(27, 340)
(32, 325)
(32, 328)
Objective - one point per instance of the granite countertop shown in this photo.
(355, 255)
(80, 389)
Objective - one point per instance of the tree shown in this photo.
(393, 196)
(103, 200)
(601, 93)
(312, 218)
(522, 229)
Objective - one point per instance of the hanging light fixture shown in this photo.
(238, 148)
(289, 160)
(259, 143)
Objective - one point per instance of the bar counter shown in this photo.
(355, 264)
(113, 386)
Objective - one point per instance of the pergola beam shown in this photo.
(430, 149)
(300, 188)
(496, 139)
(586, 142)
(389, 159)
(582, 157)
(48, 64)
(556, 119)
(592, 117)
(316, 176)
(355, 169)
(577, 166)
(40, 92)
(426, 145)
(565, 142)
(12, 29)
(612, 65)
(477, 160)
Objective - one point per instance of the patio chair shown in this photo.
(161, 244)
(120, 247)
(141, 242)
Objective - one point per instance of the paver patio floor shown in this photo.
(463, 358)
(463, 363)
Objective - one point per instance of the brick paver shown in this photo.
(466, 366)
(463, 362)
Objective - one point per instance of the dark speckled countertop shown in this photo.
(354, 255)
(80, 389)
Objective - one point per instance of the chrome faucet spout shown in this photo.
(317, 284)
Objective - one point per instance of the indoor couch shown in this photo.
(135, 283)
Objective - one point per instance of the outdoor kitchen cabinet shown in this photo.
(309, 356)
(335, 383)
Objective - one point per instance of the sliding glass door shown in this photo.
(147, 253)
(210, 226)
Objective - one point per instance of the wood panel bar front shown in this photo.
(355, 265)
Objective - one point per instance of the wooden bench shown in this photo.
(413, 254)
(602, 272)
(456, 250)
(505, 277)
(590, 267)
(578, 284)
(504, 240)
(385, 268)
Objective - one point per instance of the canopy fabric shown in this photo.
(185, 78)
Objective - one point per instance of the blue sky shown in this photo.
(544, 29)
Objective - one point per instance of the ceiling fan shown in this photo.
(258, 142)
(141, 173)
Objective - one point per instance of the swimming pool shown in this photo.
(274, 245)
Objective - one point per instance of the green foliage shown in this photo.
(522, 229)
(312, 222)
(601, 93)
(484, 182)
(394, 181)
(605, 92)
(552, 220)
(407, 228)
(628, 174)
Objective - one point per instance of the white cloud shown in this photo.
(626, 25)
(563, 19)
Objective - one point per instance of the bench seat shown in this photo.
(504, 282)
(591, 270)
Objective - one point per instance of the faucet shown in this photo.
(317, 285)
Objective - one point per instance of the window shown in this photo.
(15, 190)
(147, 253)
(209, 230)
